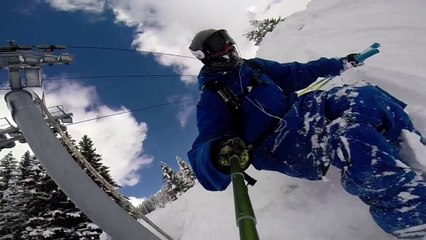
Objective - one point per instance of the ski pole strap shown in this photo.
(250, 181)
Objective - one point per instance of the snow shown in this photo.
(285, 208)
(413, 151)
(76, 214)
(412, 229)
(289, 208)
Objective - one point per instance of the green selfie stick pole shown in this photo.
(244, 214)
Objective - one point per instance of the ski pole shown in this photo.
(244, 214)
(314, 86)
(373, 49)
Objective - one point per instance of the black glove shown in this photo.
(228, 148)
(351, 59)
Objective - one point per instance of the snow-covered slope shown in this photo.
(288, 208)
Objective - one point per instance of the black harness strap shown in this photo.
(233, 101)
(257, 67)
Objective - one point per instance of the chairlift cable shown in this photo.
(122, 76)
(129, 50)
(132, 110)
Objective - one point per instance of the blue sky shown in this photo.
(41, 24)
(157, 134)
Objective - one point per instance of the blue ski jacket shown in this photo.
(264, 108)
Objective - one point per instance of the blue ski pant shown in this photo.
(363, 136)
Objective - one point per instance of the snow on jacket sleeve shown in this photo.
(214, 124)
(295, 76)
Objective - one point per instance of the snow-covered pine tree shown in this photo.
(158, 200)
(7, 165)
(51, 215)
(29, 171)
(172, 181)
(174, 184)
(261, 28)
(186, 174)
(12, 203)
(161, 198)
(32, 176)
(147, 206)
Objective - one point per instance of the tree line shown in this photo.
(174, 185)
(32, 206)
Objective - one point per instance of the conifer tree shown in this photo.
(88, 150)
(7, 167)
(51, 215)
(11, 203)
(172, 181)
(28, 174)
(158, 200)
(262, 27)
(186, 174)
(174, 185)
(29, 170)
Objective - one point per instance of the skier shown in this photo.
(250, 108)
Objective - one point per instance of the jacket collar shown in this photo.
(208, 74)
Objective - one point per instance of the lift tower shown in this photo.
(24, 64)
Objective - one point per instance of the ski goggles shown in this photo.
(217, 44)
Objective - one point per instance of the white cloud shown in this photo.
(90, 6)
(186, 109)
(136, 201)
(118, 139)
(168, 26)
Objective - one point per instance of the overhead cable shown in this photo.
(133, 110)
(129, 50)
(124, 76)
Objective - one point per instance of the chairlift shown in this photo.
(50, 59)
(5, 142)
(66, 58)
(13, 47)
